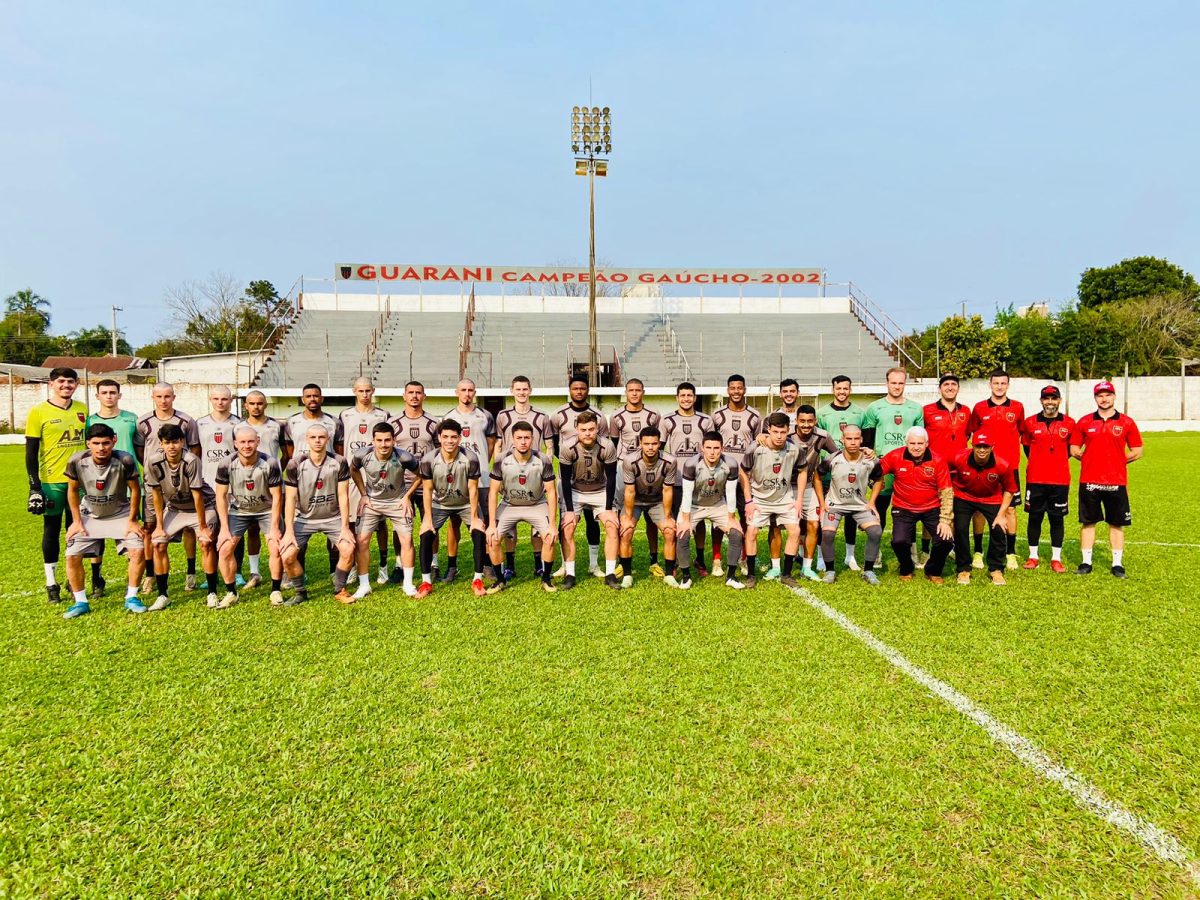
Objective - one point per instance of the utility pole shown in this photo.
(115, 310)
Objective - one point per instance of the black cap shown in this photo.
(948, 376)
(1050, 391)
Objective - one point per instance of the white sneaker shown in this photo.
(213, 602)
(597, 572)
(363, 591)
(851, 563)
(253, 581)
(732, 582)
(685, 585)
(410, 590)
(160, 604)
(627, 581)
(277, 598)
(560, 572)
(190, 583)
(977, 561)
(382, 577)
(670, 581)
(717, 569)
(227, 601)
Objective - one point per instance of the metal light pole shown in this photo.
(115, 310)
(591, 138)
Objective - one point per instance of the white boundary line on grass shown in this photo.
(1162, 843)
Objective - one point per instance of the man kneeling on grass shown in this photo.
(317, 501)
(108, 483)
(984, 484)
(249, 496)
(921, 493)
(183, 501)
(709, 495)
(849, 472)
(522, 490)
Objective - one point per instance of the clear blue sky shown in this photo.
(932, 153)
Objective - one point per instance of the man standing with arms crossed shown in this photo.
(588, 469)
(683, 431)
(249, 488)
(1047, 442)
(834, 417)
(709, 493)
(522, 490)
(478, 437)
(884, 426)
(380, 474)
(1003, 419)
(356, 425)
(739, 426)
(1106, 442)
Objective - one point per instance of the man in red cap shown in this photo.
(1106, 442)
(984, 485)
(1047, 443)
(1002, 418)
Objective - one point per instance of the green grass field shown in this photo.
(595, 743)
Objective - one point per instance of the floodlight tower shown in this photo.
(591, 139)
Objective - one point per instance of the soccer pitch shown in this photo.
(597, 743)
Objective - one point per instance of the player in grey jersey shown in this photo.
(379, 473)
(522, 490)
(649, 478)
(182, 502)
(682, 433)
(588, 469)
(849, 471)
(562, 430)
(450, 490)
(355, 426)
(296, 428)
(479, 437)
(249, 494)
(522, 411)
(270, 442)
(103, 495)
(773, 480)
(416, 432)
(624, 426)
(739, 426)
(216, 433)
(316, 501)
(709, 493)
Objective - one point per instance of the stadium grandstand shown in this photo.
(490, 332)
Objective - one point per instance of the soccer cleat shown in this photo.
(809, 574)
(789, 581)
(253, 581)
(998, 578)
(568, 582)
(297, 598)
(626, 582)
(830, 576)
(1057, 567)
(742, 570)
(410, 590)
(382, 577)
(497, 587)
(906, 578)
(718, 570)
(397, 576)
(134, 605)
(161, 603)
(977, 561)
(277, 598)
(685, 585)
(701, 572)
(98, 587)
(1010, 562)
(611, 581)
(477, 588)
(352, 575)
(657, 571)
(364, 590)
(597, 572)
(1031, 563)
(423, 590)
(189, 583)
(1084, 569)
(228, 600)
(451, 574)
(559, 572)
(507, 574)
(934, 579)
(238, 581)
(870, 578)
(77, 610)
(851, 563)
(773, 574)
(53, 593)
(670, 581)
(344, 597)
(549, 588)
(964, 577)
(147, 584)
(212, 601)
(749, 581)
(736, 585)
(1119, 572)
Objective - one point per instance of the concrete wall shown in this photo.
(232, 368)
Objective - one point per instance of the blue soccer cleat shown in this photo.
(134, 605)
(77, 610)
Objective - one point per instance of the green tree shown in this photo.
(970, 349)
(1130, 279)
(97, 341)
(21, 344)
(32, 311)
(166, 346)
(1033, 344)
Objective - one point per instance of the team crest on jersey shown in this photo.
(1010, 417)
(414, 433)
(250, 485)
(466, 431)
(521, 479)
(776, 467)
(320, 483)
(852, 477)
(897, 418)
(928, 470)
(1118, 430)
(1062, 432)
(687, 429)
(218, 438)
(80, 416)
(842, 426)
(992, 476)
(637, 424)
(100, 485)
(712, 482)
(362, 427)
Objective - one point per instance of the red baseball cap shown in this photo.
(1104, 387)
(981, 439)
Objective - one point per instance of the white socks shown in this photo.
(570, 568)
(364, 581)
(51, 580)
(776, 563)
(1118, 555)
(408, 576)
(593, 556)
(80, 596)
(253, 557)
(1086, 554)
(610, 567)
(1056, 554)
(1033, 551)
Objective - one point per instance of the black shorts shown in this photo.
(1016, 500)
(1104, 503)
(1048, 498)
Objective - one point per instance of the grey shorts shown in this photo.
(864, 518)
(810, 503)
(176, 522)
(585, 500)
(442, 516)
(113, 528)
(776, 514)
(304, 529)
(537, 517)
(390, 511)
(653, 513)
(718, 515)
(239, 523)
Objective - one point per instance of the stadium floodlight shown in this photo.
(591, 138)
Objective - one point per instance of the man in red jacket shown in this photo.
(1047, 442)
(984, 484)
(1003, 418)
(921, 494)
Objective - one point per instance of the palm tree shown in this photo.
(28, 304)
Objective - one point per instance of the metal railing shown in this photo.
(366, 362)
(884, 328)
(673, 347)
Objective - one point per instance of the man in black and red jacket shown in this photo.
(921, 494)
(1047, 442)
(984, 484)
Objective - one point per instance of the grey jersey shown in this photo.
(562, 423)
(624, 425)
(295, 431)
(357, 429)
(249, 486)
(738, 429)
(418, 436)
(177, 483)
(145, 435)
(588, 464)
(450, 478)
(708, 482)
(270, 436)
(316, 485)
(648, 480)
(105, 488)
(523, 483)
(848, 481)
(772, 472)
(477, 426)
(811, 448)
(216, 444)
(384, 479)
(507, 418)
(683, 435)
